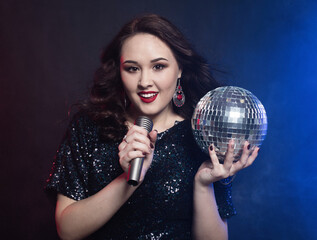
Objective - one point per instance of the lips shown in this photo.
(147, 97)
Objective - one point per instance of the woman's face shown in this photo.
(149, 73)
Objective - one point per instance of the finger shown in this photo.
(252, 157)
(134, 154)
(140, 138)
(122, 145)
(123, 150)
(137, 137)
(237, 166)
(153, 138)
(229, 158)
(137, 129)
(126, 159)
(137, 146)
(124, 164)
(213, 157)
(125, 147)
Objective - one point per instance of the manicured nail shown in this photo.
(211, 148)
(249, 146)
(151, 145)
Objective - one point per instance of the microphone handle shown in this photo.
(135, 171)
(137, 163)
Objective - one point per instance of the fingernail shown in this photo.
(155, 130)
(151, 145)
(211, 148)
(258, 150)
(249, 146)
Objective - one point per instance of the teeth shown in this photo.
(148, 95)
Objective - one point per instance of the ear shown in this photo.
(180, 73)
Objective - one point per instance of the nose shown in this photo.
(145, 80)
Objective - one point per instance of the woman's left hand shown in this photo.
(211, 170)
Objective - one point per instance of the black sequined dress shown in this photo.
(161, 208)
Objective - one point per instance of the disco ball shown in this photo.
(229, 113)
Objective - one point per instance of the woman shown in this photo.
(148, 69)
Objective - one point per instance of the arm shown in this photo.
(207, 224)
(78, 219)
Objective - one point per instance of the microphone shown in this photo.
(137, 163)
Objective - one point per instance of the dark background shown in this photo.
(50, 50)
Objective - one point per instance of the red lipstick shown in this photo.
(148, 97)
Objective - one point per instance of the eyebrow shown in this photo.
(130, 61)
(158, 59)
(154, 60)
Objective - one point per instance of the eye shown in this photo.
(131, 69)
(159, 67)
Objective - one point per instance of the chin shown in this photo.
(147, 111)
(150, 110)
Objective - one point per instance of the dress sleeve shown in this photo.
(69, 174)
(223, 193)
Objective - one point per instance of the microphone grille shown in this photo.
(144, 122)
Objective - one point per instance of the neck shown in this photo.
(161, 121)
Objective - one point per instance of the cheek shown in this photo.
(127, 81)
(128, 87)
(170, 84)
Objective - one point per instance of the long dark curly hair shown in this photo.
(106, 105)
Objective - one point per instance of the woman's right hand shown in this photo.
(137, 143)
(79, 219)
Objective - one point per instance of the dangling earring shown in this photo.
(179, 97)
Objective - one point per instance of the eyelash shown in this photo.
(156, 67)
(132, 69)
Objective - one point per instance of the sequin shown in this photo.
(161, 208)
